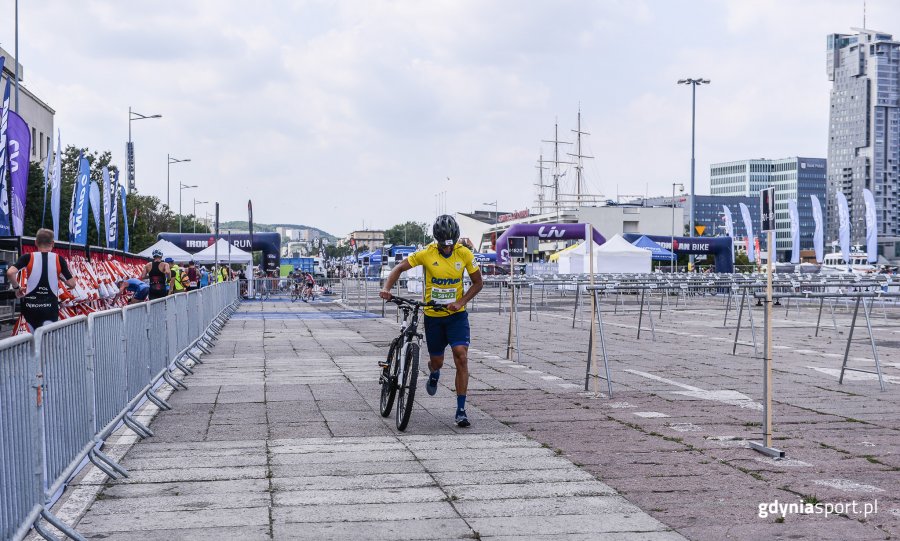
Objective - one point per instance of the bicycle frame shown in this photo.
(409, 327)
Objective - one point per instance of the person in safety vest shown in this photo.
(223, 274)
(179, 280)
(44, 272)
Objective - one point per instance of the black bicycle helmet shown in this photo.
(445, 230)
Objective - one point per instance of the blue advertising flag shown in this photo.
(82, 200)
(4, 193)
(127, 243)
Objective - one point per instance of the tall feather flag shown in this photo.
(795, 232)
(18, 148)
(871, 226)
(94, 193)
(113, 232)
(127, 242)
(748, 226)
(729, 222)
(4, 193)
(82, 201)
(843, 226)
(819, 233)
(104, 236)
(729, 227)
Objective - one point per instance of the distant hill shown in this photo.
(243, 226)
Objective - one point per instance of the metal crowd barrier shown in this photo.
(65, 389)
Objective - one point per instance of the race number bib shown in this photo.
(443, 296)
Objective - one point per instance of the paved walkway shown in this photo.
(279, 436)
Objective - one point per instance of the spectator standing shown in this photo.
(44, 269)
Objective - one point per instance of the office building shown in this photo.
(864, 132)
(793, 179)
(37, 114)
(708, 212)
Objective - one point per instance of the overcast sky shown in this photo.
(339, 114)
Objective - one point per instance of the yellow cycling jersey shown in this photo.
(443, 275)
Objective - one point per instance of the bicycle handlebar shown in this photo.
(412, 302)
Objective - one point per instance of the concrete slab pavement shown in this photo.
(279, 437)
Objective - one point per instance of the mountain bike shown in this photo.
(295, 291)
(400, 370)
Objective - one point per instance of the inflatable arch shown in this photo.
(544, 232)
(268, 243)
(720, 247)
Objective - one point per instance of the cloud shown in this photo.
(331, 113)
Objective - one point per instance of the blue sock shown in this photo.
(436, 374)
(460, 402)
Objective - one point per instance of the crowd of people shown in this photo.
(35, 278)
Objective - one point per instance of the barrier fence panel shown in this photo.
(20, 471)
(65, 388)
(159, 348)
(193, 315)
(68, 396)
(181, 326)
(137, 348)
(111, 393)
(171, 330)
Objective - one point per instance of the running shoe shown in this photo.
(461, 420)
(431, 386)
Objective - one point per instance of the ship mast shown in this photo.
(556, 163)
(579, 164)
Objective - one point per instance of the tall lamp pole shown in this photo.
(672, 246)
(170, 160)
(182, 186)
(694, 84)
(195, 211)
(129, 148)
(496, 212)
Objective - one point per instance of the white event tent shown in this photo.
(237, 256)
(616, 255)
(168, 250)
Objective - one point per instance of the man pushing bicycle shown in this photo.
(443, 263)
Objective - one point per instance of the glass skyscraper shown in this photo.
(864, 133)
(793, 179)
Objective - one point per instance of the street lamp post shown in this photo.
(195, 211)
(694, 84)
(496, 212)
(170, 160)
(672, 246)
(181, 186)
(129, 148)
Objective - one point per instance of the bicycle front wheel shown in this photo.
(407, 388)
(389, 378)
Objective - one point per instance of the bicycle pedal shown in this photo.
(382, 364)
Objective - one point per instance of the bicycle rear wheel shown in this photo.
(407, 388)
(389, 378)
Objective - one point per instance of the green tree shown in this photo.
(408, 233)
(337, 251)
(146, 215)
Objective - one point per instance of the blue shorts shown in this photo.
(142, 293)
(452, 330)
